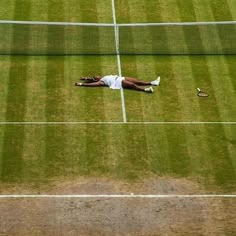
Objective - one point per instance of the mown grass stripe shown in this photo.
(93, 68)
(161, 163)
(229, 162)
(5, 64)
(12, 163)
(132, 159)
(90, 104)
(5, 67)
(133, 106)
(7, 9)
(1, 148)
(226, 13)
(158, 151)
(134, 162)
(232, 8)
(218, 69)
(55, 91)
(220, 11)
(231, 144)
(172, 98)
(220, 73)
(146, 148)
(222, 85)
(187, 35)
(112, 99)
(33, 156)
(219, 156)
(127, 41)
(191, 33)
(177, 141)
(230, 63)
(88, 161)
(33, 151)
(189, 110)
(36, 88)
(155, 34)
(202, 71)
(128, 15)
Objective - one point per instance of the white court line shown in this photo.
(117, 122)
(118, 59)
(109, 24)
(117, 196)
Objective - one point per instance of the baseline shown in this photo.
(117, 122)
(118, 196)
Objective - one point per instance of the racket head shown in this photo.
(202, 94)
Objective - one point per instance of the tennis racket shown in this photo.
(201, 93)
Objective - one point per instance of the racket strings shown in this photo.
(203, 94)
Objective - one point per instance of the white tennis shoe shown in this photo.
(157, 81)
(149, 90)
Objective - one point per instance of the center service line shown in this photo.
(118, 59)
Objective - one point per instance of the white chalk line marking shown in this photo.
(120, 25)
(117, 122)
(118, 60)
(117, 196)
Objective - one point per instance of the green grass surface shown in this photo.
(175, 99)
(42, 39)
(40, 88)
(56, 10)
(122, 152)
(174, 11)
(77, 40)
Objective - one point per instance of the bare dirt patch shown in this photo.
(119, 216)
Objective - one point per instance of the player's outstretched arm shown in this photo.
(94, 84)
(91, 79)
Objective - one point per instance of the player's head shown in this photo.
(96, 78)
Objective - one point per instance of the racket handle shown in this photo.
(198, 89)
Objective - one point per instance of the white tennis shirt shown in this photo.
(113, 81)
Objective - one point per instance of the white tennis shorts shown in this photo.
(117, 83)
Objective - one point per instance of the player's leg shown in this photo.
(129, 85)
(139, 82)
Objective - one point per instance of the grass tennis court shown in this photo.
(103, 155)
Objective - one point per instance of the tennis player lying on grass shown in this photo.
(117, 82)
